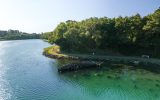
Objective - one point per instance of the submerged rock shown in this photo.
(156, 95)
(77, 66)
(135, 86)
(95, 74)
(157, 85)
(109, 77)
(86, 75)
(151, 90)
(98, 74)
(117, 77)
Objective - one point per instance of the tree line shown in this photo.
(17, 35)
(130, 35)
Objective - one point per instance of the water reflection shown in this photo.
(4, 85)
(25, 74)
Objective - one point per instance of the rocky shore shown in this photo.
(149, 64)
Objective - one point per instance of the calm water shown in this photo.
(25, 74)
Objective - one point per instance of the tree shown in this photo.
(127, 35)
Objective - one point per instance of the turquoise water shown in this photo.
(25, 74)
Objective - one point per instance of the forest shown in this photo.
(130, 35)
(17, 35)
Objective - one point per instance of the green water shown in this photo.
(25, 74)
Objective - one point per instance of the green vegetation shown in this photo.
(134, 35)
(85, 61)
(54, 50)
(17, 35)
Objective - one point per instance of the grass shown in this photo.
(56, 51)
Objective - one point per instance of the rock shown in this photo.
(157, 85)
(135, 86)
(117, 77)
(145, 56)
(156, 95)
(95, 74)
(150, 90)
(136, 62)
(77, 66)
(109, 77)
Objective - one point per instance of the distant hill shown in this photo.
(17, 35)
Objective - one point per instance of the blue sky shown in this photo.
(44, 15)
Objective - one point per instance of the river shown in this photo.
(25, 74)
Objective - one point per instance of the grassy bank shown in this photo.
(139, 62)
(56, 53)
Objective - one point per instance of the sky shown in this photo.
(44, 15)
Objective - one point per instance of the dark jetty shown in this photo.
(78, 66)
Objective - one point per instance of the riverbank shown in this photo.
(148, 63)
(38, 77)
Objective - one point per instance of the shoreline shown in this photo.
(19, 39)
(147, 63)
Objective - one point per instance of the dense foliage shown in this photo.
(17, 35)
(128, 35)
